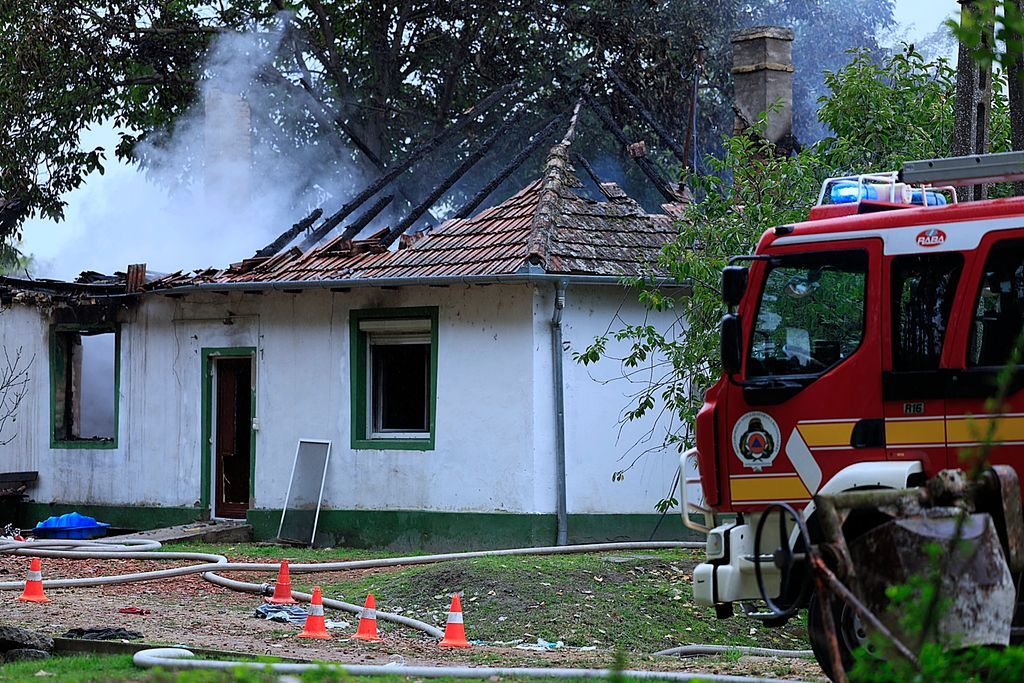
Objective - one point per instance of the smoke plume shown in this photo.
(243, 164)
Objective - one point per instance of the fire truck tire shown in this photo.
(848, 634)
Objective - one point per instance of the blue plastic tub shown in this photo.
(72, 525)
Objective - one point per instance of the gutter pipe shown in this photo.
(559, 394)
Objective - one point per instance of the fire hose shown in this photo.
(210, 566)
(178, 658)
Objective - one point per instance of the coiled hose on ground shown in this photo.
(210, 566)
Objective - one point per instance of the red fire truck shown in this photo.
(858, 347)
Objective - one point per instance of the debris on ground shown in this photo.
(135, 610)
(18, 644)
(292, 614)
(102, 634)
(14, 637)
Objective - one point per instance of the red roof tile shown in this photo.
(547, 224)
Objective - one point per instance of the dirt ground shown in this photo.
(189, 611)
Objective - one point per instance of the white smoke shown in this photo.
(181, 212)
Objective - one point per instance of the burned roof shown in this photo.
(546, 225)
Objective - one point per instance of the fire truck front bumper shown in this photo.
(728, 574)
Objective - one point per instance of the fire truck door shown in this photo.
(989, 323)
(921, 294)
(810, 403)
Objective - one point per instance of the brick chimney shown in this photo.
(762, 72)
(228, 149)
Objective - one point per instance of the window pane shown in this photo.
(84, 386)
(998, 313)
(400, 387)
(811, 314)
(96, 403)
(923, 290)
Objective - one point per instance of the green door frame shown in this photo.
(209, 354)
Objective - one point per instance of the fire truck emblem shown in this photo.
(932, 237)
(756, 439)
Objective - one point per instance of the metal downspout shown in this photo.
(557, 376)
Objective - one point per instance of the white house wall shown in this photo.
(597, 444)
(484, 412)
(494, 448)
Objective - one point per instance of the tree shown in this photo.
(368, 81)
(985, 20)
(881, 114)
(14, 379)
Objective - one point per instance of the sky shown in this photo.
(921, 17)
(85, 240)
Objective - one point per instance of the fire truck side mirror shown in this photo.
(732, 344)
(734, 284)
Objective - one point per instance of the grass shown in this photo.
(79, 669)
(97, 668)
(269, 553)
(641, 601)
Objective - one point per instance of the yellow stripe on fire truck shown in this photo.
(915, 431)
(954, 430)
(970, 430)
(826, 433)
(758, 488)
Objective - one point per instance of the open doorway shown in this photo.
(232, 435)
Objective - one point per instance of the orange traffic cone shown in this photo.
(455, 630)
(34, 585)
(368, 621)
(315, 626)
(283, 587)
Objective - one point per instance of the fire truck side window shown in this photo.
(811, 314)
(999, 311)
(923, 290)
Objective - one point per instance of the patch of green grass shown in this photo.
(268, 552)
(642, 601)
(96, 668)
(81, 669)
(643, 604)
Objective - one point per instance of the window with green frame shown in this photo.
(394, 378)
(84, 378)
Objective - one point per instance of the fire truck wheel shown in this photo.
(850, 634)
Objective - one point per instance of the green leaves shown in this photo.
(66, 65)
(985, 20)
(880, 113)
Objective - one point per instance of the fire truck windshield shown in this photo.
(811, 313)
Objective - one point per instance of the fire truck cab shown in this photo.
(859, 350)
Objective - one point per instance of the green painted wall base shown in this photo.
(137, 518)
(396, 529)
(419, 530)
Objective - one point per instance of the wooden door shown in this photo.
(233, 437)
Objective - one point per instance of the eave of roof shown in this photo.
(528, 277)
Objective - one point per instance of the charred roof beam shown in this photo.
(517, 161)
(645, 165)
(582, 161)
(358, 224)
(291, 233)
(418, 153)
(453, 178)
(647, 116)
